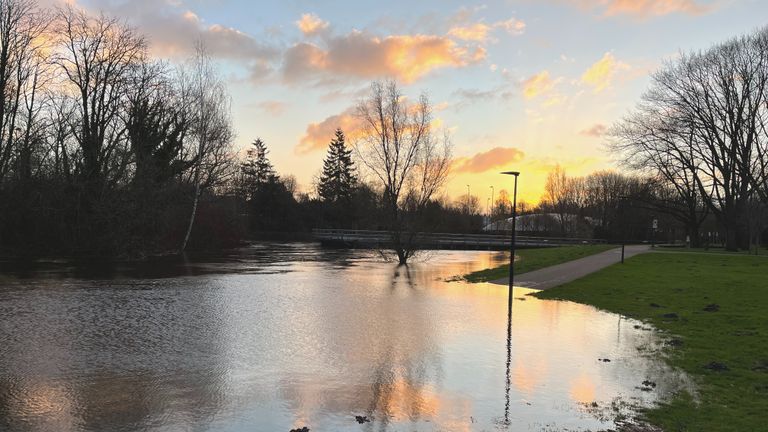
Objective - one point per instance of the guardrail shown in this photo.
(372, 239)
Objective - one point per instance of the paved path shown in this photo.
(559, 274)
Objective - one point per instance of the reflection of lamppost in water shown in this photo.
(511, 285)
(508, 383)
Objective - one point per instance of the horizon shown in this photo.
(503, 79)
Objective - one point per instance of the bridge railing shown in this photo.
(448, 238)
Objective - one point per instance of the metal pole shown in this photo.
(514, 239)
(493, 203)
(622, 251)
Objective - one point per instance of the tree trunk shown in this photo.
(191, 218)
(402, 256)
(694, 235)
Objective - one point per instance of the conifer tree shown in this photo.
(257, 169)
(338, 180)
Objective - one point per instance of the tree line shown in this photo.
(107, 151)
(104, 150)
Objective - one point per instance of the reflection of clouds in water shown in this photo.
(340, 334)
(582, 389)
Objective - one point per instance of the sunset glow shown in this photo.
(519, 84)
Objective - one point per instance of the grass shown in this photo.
(650, 286)
(534, 259)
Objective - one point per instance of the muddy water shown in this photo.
(276, 337)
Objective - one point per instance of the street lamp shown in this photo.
(514, 235)
(493, 203)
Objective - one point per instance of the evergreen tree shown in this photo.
(257, 169)
(338, 180)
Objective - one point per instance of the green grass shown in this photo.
(534, 259)
(736, 335)
(718, 250)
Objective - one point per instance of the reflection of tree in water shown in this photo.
(120, 360)
(392, 370)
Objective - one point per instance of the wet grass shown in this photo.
(716, 308)
(534, 259)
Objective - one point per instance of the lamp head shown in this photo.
(514, 173)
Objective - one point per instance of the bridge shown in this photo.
(365, 239)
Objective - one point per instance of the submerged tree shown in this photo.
(338, 180)
(399, 149)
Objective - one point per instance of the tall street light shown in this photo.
(493, 203)
(514, 235)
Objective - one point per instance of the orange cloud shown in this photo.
(473, 32)
(362, 55)
(311, 24)
(646, 8)
(600, 74)
(538, 84)
(480, 31)
(494, 158)
(319, 135)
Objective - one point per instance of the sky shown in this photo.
(519, 84)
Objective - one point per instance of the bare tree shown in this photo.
(558, 195)
(22, 65)
(400, 150)
(205, 93)
(702, 127)
(97, 57)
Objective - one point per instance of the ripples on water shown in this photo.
(275, 337)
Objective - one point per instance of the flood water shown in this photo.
(276, 337)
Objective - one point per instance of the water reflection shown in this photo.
(254, 342)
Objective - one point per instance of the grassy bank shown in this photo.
(534, 259)
(717, 305)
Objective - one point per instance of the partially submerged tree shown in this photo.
(398, 147)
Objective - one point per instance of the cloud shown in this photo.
(480, 31)
(273, 107)
(537, 85)
(467, 97)
(172, 31)
(512, 26)
(597, 130)
(318, 135)
(646, 8)
(311, 24)
(477, 32)
(360, 54)
(601, 73)
(494, 158)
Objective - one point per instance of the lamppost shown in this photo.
(514, 235)
(623, 208)
(493, 203)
